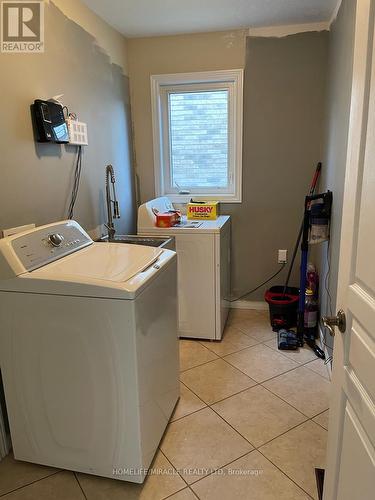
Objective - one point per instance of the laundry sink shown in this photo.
(150, 241)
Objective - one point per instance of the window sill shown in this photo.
(183, 198)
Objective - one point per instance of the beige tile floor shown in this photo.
(236, 433)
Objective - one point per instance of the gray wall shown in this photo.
(341, 44)
(285, 86)
(36, 179)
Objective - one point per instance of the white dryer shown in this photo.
(203, 252)
(88, 349)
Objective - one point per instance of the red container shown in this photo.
(283, 306)
(165, 220)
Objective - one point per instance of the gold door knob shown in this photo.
(331, 321)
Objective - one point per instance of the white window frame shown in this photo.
(161, 86)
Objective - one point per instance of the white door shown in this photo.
(350, 472)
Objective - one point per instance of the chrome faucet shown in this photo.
(111, 203)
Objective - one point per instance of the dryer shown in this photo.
(203, 253)
(88, 349)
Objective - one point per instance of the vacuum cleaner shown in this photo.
(314, 229)
(317, 216)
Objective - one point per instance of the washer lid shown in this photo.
(111, 262)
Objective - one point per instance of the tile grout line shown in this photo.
(191, 413)
(285, 401)
(230, 425)
(209, 405)
(290, 404)
(79, 484)
(255, 448)
(207, 363)
(257, 342)
(220, 467)
(200, 399)
(179, 491)
(279, 375)
(268, 379)
(261, 342)
(266, 442)
(320, 425)
(262, 382)
(32, 482)
(264, 342)
(259, 451)
(200, 364)
(249, 334)
(307, 418)
(318, 416)
(280, 351)
(286, 475)
(239, 458)
(231, 366)
(305, 365)
(285, 432)
(243, 390)
(219, 400)
(218, 357)
(175, 469)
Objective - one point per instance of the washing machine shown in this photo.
(203, 253)
(88, 349)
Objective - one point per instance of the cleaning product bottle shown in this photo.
(311, 313)
(312, 279)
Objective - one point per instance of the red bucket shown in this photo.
(283, 306)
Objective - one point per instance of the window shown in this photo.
(197, 126)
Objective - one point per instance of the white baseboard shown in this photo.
(249, 304)
(326, 352)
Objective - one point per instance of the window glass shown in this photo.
(198, 135)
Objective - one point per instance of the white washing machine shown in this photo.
(203, 252)
(88, 349)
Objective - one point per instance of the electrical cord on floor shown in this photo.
(77, 178)
(259, 286)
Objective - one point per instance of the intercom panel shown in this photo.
(49, 121)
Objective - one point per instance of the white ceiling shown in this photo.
(135, 18)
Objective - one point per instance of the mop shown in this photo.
(288, 339)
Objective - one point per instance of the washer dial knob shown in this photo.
(56, 239)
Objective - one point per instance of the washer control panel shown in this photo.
(48, 243)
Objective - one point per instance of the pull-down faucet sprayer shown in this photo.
(111, 203)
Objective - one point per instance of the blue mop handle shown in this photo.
(302, 284)
(303, 271)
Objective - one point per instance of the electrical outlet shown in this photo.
(282, 257)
